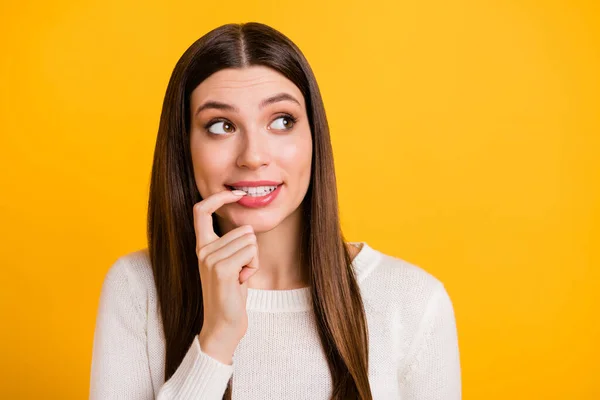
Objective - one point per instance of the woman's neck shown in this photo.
(279, 257)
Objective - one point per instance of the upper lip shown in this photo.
(253, 183)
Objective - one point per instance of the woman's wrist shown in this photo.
(215, 349)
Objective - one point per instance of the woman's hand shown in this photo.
(226, 263)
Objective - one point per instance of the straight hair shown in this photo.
(337, 302)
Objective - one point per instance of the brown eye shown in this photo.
(222, 127)
(283, 123)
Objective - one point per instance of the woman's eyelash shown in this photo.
(289, 116)
(214, 121)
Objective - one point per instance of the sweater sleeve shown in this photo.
(120, 367)
(433, 369)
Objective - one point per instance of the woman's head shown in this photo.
(251, 124)
(239, 66)
(242, 65)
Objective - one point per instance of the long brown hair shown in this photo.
(337, 302)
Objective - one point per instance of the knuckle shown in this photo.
(202, 253)
(196, 208)
(220, 270)
(199, 208)
(210, 262)
(250, 238)
(252, 248)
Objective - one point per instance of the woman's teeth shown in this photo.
(256, 191)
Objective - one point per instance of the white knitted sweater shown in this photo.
(413, 346)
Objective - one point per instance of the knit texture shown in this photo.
(413, 344)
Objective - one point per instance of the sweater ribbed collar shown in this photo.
(300, 299)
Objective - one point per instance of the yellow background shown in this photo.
(465, 137)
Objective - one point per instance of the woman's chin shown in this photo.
(259, 224)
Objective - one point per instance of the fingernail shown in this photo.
(238, 192)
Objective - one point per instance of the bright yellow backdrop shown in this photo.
(465, 137)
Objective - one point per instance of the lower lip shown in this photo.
(262, 201)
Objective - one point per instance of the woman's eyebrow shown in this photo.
(278, 97)
(228, 107)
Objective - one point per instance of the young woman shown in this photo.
(247, 289)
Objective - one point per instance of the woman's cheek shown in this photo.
(288, 152)
(209, 171)
(297, 151)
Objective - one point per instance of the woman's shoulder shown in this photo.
(371, 263)
(393, 281)
(408, 274)
(130, 275)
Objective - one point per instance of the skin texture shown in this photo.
(256, 143)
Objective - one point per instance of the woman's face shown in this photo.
(243, 129)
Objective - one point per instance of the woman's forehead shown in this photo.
(244, 85)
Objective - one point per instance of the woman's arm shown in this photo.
(433, 369)
(120, 363)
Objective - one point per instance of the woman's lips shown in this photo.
(259, 201)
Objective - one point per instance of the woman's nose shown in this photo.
(254, 152)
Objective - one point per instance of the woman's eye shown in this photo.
(220, 128)
(283, 123)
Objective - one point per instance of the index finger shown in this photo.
(203, 210)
